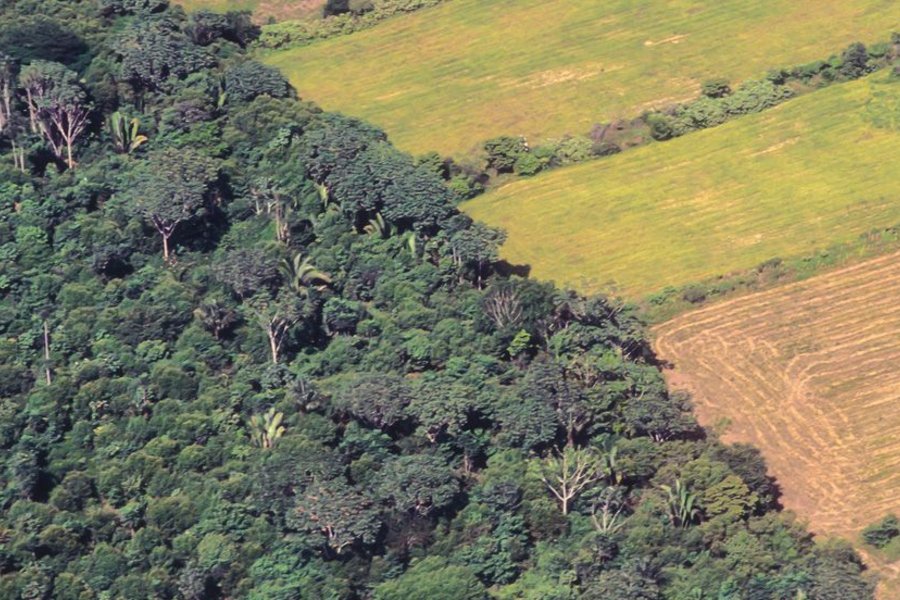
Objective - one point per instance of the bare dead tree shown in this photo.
(58, 107)
(503, 307)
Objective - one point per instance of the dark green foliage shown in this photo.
(880, 534)
(503, 152)
(715, 88)
(40, 38)
(154, 53)
(134, 7)
(336, 7)
(249, 79)
(433, 578)
(342, 515)
(661, 127)
(171, 187)
(528, 164)
(854, 61)
(420, 484)
(379, 400)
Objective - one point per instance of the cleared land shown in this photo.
(262, 9)
(448, 78)
(809, 374)
(817, 170)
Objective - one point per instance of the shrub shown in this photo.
(755, 96)
(504, 151)
(700, 114)
(528, 164)
(881, 533)
(694, 294)
(605, 149)
(715, 88)
(661, 126)
(573, 149)
(464, 187)
(854, 61)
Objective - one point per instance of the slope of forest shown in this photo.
(817, 170)
(250, 350)
(448, 78)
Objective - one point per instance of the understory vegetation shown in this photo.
(248, 349)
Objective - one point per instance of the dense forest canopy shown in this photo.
(250, 350)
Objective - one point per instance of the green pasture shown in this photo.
(815, 171)
(449, 77)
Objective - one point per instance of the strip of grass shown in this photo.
(816, 171)
(449, 77)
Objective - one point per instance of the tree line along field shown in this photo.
(817, 170)
(450, 77)
(808, 373)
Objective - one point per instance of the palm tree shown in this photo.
(379, 227)
(266, 429)
(607, 509)
(680, 503)
(125, 133)
(301, 274)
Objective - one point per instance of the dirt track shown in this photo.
(809, 373)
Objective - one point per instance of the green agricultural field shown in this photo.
(449, 77)
(817, 170)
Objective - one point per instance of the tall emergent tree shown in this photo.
(8, 72)
(58, 106)
(171, 187)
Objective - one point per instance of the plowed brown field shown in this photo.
(809, 373)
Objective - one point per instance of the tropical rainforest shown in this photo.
(248, 349)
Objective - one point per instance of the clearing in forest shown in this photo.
(809, 374)
(449, 77)
(818, 170)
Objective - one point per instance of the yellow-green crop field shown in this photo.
(219, 5)
(263, 9)
(820, 169)
(449, 77)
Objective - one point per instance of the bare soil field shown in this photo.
(809, 373)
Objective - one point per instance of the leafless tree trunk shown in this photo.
(5, 104)
(568, 473)
(165, 229)
(47, 353)
(18, 156)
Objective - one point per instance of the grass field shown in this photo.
(262, 9)
(450, 77)
(807, 373)
(817, 170)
